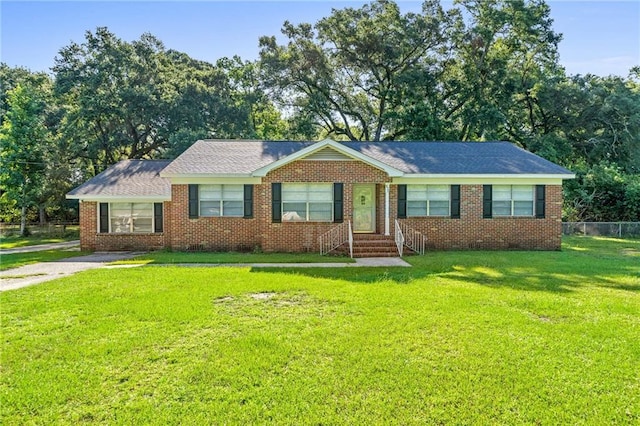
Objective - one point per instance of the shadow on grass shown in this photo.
(584, 262)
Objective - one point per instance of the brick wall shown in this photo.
(88, 225)
(91, 240)
(298, 236)
(471, 231)
(209, 233)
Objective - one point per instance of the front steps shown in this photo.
(373, 245)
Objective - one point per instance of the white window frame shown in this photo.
(513, 200)
(307, 201)
(427, 191)
(131, 219)
(224, 197)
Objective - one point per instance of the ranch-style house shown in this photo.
(318, 196)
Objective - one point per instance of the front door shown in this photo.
(364, 208)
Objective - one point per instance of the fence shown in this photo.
(59, 229)
(604, 229)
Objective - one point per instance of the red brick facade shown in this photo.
(471, 231)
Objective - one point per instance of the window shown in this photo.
(428, 200)
(512, 200)
(131, 217)
(221, 200)
(310, 202)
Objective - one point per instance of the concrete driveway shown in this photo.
(37, 273)
(42, 247)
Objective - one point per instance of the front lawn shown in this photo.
(460, 338)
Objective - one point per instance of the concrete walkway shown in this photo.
(37, 273)
(360, 262)
(41, 247)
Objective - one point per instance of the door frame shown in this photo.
(374, 206)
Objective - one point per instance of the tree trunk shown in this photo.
(43, 217)
(23, 221)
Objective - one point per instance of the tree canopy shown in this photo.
(476, 70)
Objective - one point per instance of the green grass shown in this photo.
(168, 257)
(10, 261)
(460, 338)
(15, 241)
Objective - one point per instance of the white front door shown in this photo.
(364, 208)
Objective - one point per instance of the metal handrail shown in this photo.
(413, 239)
(399, 238)
(350, 240)
(335, 237)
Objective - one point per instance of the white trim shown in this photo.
(386, 208)
(482, 179)
(201, 179)
(261, 172)
(120, 198)
(205, 175)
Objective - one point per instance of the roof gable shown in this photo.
(321, 146)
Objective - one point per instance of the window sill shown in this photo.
(511, 217)
(429, 217)
(218, 217)
(308, 221)
(116, 234)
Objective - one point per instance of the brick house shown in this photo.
(283, 196)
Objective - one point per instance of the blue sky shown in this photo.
(600, 37)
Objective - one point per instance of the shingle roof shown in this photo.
(141, 178)
(495, 158)
(231, 157)
(244, 157)
(127, 178)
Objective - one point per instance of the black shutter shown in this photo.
(487, 198)
(455, 201)
(338, 212)
(157, 217)
(193, 201)
(276, 202)
(248, 201)
(104, 218)
(540, 201)
(402, 201)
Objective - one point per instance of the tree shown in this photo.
(502, 51)
(23, 139)
(126, 100)
(350, 72)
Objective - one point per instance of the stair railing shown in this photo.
(399, 238)
(413, 239)
(335, 237)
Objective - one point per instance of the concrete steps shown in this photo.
(372, 245)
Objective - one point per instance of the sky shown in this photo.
(599, 37)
